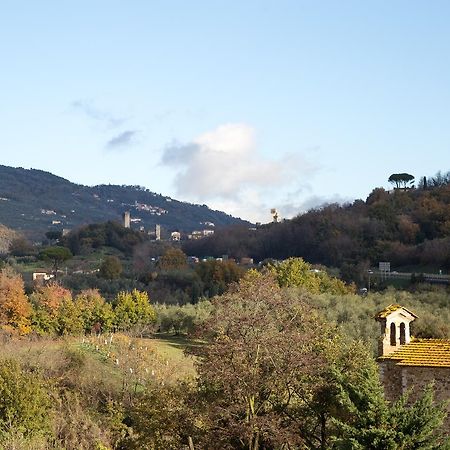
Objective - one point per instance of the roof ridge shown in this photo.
(391, 309)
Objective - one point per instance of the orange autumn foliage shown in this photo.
(51, 297)
(15, 309)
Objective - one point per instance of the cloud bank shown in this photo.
(225, 168)
(304, 203)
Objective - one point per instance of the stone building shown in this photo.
(409, 363)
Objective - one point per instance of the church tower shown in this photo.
(395, 328)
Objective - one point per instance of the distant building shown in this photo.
(157, 232)
(126, 219)
(175, 236)
(246, 261)
(195, 235)
(41, 277)
(199, 234)
(192, 259)
(48, 212)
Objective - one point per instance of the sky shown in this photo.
(242, 105)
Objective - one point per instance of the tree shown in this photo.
(53, 235)
(55, 254)
(367, 421)
(24, 401)
(6, 237)
(173, 259)
(94, 310)
(69, 320)
(15, 309)
(111, 268)
(21, 247)
(133, 309)
(295, 272)
(51, 297)
(217, 275)
(260, 370)
(47, 301)
(401, 180)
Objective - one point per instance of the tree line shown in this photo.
(52, 310)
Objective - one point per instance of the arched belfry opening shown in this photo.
(395, 328)
(402, 333)
(393, 334)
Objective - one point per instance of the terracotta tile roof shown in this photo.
(422, 352)
(390, 309)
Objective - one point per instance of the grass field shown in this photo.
(113, 361)
(92, 383)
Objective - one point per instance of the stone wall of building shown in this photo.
(398, 379)
(391, 377)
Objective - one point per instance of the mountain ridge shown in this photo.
(34, 201)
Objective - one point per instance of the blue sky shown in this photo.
(242, 105)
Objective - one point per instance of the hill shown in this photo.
(408, 227)
(34, 201)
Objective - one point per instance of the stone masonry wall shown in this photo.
(397, 379)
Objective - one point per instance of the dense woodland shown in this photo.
(406, 226)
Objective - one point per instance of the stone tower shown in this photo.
(126, 219)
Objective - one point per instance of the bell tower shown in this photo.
(395, 328)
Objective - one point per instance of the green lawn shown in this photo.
(172, 347)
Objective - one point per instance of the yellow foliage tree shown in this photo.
(48, 302)
(295, 272)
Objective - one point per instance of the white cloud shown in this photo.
(225, 168)
(291, 208)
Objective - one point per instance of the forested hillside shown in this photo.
(32, 200)
(409, 226)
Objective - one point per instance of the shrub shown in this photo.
(24, 401)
